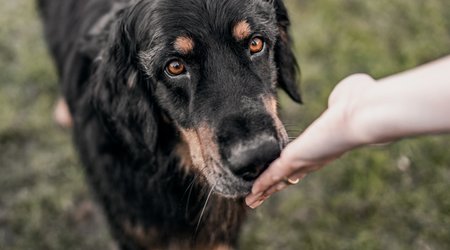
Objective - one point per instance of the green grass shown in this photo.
(393, 197)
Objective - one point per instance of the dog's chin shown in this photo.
(233, 191)
(227, 185)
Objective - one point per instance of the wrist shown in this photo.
(359, 112)
(368, 117)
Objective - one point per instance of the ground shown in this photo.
(390, 197)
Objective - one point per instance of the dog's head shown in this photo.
(211, 69)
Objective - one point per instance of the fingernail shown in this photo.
(256, 204)
(252, 198)
(250, 201)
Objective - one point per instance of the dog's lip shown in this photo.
(243, 191)
(234, 186)
(226, 184)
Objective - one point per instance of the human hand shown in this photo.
(332, 134)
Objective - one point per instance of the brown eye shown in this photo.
(256, 45)
(175, 68)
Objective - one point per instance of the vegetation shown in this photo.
(391, 197)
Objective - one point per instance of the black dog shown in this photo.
(174, 109)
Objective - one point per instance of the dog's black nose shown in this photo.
(249, 159)
(248, 144)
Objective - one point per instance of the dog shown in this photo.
(174, 111)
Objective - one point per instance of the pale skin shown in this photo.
(363, 111)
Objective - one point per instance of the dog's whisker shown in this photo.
(190, 188)
(203, 209)
(190, 184)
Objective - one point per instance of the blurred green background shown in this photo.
(393, 197)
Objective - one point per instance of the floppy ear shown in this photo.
(284, 57)
(121, 91)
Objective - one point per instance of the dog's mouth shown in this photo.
(224, 182)
(227, 184)
(232, 152)
(231, 170)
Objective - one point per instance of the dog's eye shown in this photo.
(175, 68)
(256, 45)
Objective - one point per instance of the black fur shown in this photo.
(131, 118)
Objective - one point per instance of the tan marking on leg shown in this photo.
(270, 104)
(184, 44)
(241, 30)
(146, 239)
(222, 247)
(209, 247)
(150, 239)
(61, 114)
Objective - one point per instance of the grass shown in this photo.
(393, 197)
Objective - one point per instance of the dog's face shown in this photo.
(213, 68)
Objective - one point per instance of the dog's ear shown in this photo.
(284, 56)
(121, 91)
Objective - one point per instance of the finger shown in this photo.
(255, 200)
(299, 175)
(276, 188)
(271, 176)
(258, 202)
(304, 171)
(251, 199)
(291, 176)
(293, 180)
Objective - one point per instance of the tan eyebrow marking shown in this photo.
(184, 44)
(241, 30)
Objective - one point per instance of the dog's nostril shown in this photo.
(250, 173)
(248, 162)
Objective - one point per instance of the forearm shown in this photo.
(411, 103)
(363, 111)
